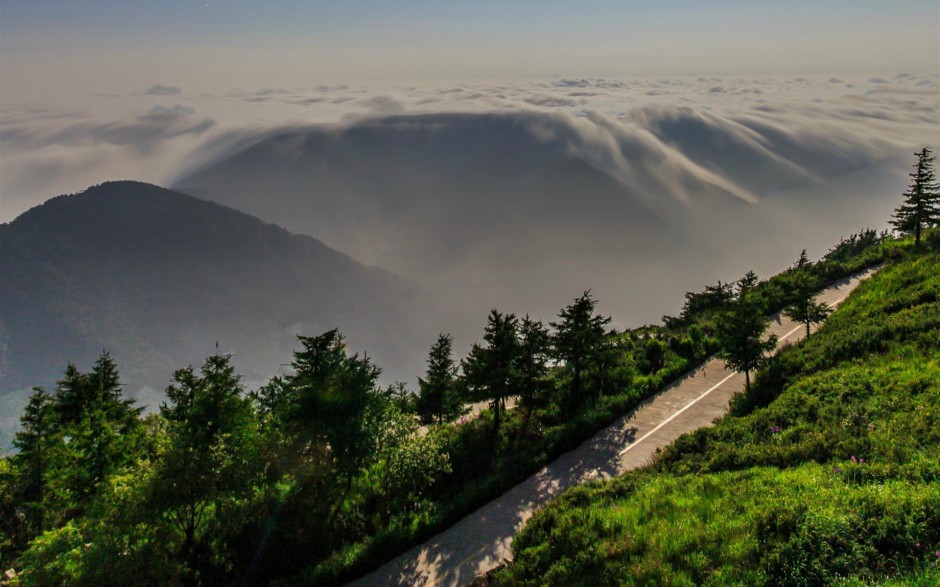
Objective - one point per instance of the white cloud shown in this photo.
(161, 90)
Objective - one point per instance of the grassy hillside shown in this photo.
(828, 472)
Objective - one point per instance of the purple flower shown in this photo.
(837, 469)
(853, 458)
(871, 427)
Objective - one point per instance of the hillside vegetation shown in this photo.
(321, 474)
(826, 472)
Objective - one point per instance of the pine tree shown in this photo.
(921, 207)
(579, 338)
(803, 264)
(208, 461)
(803, 307)
(489, 372)
(99, 388)
(333, 393)
(105, 381)
(532, 366)
(438, 399)
(32, 461)
(101, 427)
(740, 331)
(73, 394)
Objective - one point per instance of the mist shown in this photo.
(515, 195)
(523, 210)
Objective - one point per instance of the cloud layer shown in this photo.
(526, 205)
(522, 193)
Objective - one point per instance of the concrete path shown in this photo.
(481, 541)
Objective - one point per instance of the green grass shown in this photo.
(732, 528)
(828, 472)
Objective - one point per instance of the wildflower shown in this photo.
(837, 470)
(871, 427)
(853, 459)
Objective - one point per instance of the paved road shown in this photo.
(482, 540)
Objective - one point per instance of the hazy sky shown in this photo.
(111, 45)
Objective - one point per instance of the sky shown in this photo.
(110, 45)
(96, 89)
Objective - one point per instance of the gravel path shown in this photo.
(481, 541)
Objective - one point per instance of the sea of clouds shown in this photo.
(158, 132)
(691, 179)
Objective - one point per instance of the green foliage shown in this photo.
(832, 476)
(320, 474)
(921, 207)
(490, 371)
(654, 356)
(533, 384)
(69, 445)
(800, 526)
(438, 397)
(34, 443)
(803, 307)
(408, 468)
(740, 331)
(580, 341)
(207, 466)
(12, 522)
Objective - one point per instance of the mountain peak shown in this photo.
(156, 277)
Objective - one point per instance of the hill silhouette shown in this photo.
(159, 278)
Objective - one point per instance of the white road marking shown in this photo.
(710, 389)
(673, 417)
(787, 335)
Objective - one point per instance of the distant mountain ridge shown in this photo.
(157, 278)
(524, 210)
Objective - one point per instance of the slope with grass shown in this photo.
(827, 472)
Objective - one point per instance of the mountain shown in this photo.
(161, 279)
(429, 190)
(525, 210)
